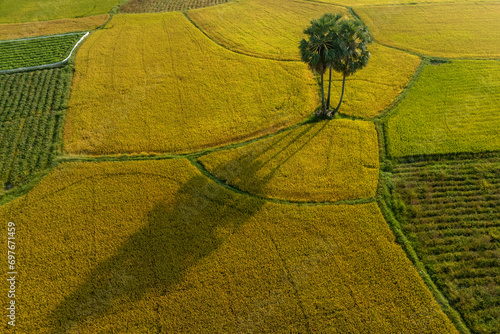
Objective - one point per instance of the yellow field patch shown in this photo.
(155, 83)
(20, 30)
(266, 28)
(325, 161)
(444, 30)
(155, 246)
(372, 89)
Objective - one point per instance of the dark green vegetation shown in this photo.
(34, 52)
(450, 211)
(31, 108)
(338, 44)
(153, 6)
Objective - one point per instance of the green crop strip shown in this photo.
(36, 51)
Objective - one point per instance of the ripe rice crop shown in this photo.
(453, 107)
(155, 246)
(15, 11)
(260, 27)
(273, 29)
(34, 52)
(155, 6)
(33, 29)
(452, 215)
(444, 30)
(155, 83)
(31, 107)
(325, 161)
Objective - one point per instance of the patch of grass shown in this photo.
(452, 217)
(13, 11)
(154, 6)
(137, 246)
(32, 105)
(259, 27)
(45, 28)
(35, 52)
(324, 161)
(155, 83)
(453, 107)
(446, 30)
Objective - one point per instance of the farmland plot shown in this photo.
(325, 161)
(45, 28)
(154, 6)
(31, 110)
(156, 246)
(273, 29)
(446, 30)
(34, 52)
(453, 107)
(155, 83)
(452, 216)
(15, 11)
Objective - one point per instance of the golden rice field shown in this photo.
(263, 28)
(155, 83)
(453, 107)
(154, 246)
(274, 29)
(393, 2)
(441, 29)
(15, 11)
(33, 29)
(324, 161)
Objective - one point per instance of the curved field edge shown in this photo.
(35, 29)
(326, 161)
(449, 30)
(155, 6)
(168, 202)
(155, 103)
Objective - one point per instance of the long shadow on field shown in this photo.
(178, 234)
(181, 230)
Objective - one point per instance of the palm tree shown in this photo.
(335, 43)
(352, 38)
(319, 50)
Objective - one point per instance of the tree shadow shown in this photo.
(179, 233)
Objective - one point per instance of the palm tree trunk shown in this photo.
(329, 90)
(341, 96)
(322, 95)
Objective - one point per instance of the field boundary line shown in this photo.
(198, 165)
(235, 51)
(384, 200)
(39, 67)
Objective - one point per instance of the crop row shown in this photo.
(31, 105)
(38, 51)
(450, 210)
(152, 6)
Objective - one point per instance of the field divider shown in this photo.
(237, 52)
(39, 67)
(194, 161)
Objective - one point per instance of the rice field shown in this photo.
(35, 52)
(45, 28)
(154, 246)
(325, 161)
(271, 29)
(32, 106)
(456, 30)
(14, 11)
(155, 6)
(131, 94)
(452, 216)
(453, 107)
